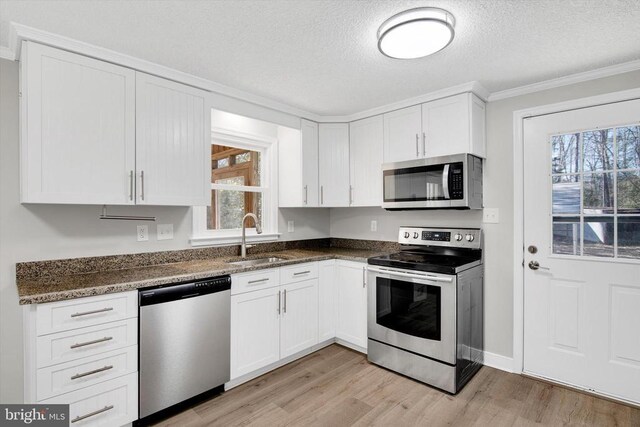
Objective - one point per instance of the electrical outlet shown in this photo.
(165, 231)
(374, 225)
(490, 215)
(143, 233)
(290, 226)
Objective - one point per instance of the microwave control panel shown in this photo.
(456, 182)
(451, 237)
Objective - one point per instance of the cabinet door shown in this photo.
(299, 324)
(334, 164)
(290, 190)
(255, 330)
(351, 302)
(173, 143)
(365, 154)
(446, 126)
(310, 186)
(327, 301)
(78, 129)
(402, 130)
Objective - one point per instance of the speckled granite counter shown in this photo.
(48, 281)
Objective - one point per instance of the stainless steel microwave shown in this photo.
(447, 182)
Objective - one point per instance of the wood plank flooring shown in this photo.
(338, 387)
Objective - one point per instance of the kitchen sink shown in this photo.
(257, 261)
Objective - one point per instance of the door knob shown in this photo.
(535, 265)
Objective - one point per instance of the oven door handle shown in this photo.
(445, 181)
(411, 275)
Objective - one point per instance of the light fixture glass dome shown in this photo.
(416, 33)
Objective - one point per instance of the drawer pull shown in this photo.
(258, 281)
(95, 371)
(82, 344)
(302, 272)
(91, 414)
(102, 310)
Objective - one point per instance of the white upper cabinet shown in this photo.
(78, 129)
(98, 133)
(454, 125)
(298, 165)
(402, 132)
(365, 154)
(334, 164)
(172, 143)
(309, 133)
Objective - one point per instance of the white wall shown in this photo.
(37, 232)
(498, 193)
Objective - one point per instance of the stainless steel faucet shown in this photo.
(243, 247)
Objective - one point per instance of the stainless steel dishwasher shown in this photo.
(184, 342)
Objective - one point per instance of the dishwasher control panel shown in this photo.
(176, 291)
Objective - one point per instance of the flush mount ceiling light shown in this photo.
(416, 33)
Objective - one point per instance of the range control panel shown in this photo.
(450, 237)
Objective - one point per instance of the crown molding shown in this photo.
(566, 80)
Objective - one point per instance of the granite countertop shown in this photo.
(62, 287)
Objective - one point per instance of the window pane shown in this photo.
(629, 192)
(598, 236)
(223, 162)
(230, 206)
(566, 235)
(244, 157)
(565, 156)
(228, 162)
(629, 237)
(566, 194)
(234, 180)
(598, 193)
(628, 147)
(598, 150)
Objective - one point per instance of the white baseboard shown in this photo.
(351, 346)
(498, 361)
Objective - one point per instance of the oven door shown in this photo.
(414, 311)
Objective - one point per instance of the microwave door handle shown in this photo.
(445, 181)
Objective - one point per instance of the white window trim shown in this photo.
(268, 147)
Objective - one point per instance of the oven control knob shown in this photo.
(458, 237)
(407, 234)
(416, 235)
(470, 237)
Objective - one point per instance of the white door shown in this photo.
(351, 303)
(255, 330)
(582, 228)
(299, 324)
(78, 129)
(173, 143)
(402, 129)
(326, 300)
(334, 164)
(309, 135)
(365, 153)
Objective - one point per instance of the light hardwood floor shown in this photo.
(338, 387)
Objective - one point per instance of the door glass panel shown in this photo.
(629, 237)
(566, 235)
(566, 153)
(628, 140)
(598, 236)
(566, 194)
(629, 192)
(598, 193)
(598, 150)
(409, 308)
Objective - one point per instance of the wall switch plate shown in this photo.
(143, 233)
(490, 215)
(165, 231)
(374, 225)
(290, 226)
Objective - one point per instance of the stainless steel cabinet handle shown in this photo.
(534, 265)
(82, 344)
(279, 292)
(258, 281)
(95, 371)
(322, 195)
(306, 194)
(91, 414)
(142, 185)
(86, 313)
(302, 272)
(131, 185)
(364, 277)
(351, 194)
(417, 147)
(284, 307)
(424, 145)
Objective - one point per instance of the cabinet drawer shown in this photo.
(66, 377)
(78, 313)
(78, 343)
(298, 273)
(111, 403)
(262, 279)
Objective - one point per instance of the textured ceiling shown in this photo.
(321, 56)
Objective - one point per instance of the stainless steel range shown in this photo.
(425, 314)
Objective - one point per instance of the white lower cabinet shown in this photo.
(299, 319)
(327, 301)
(351, 302)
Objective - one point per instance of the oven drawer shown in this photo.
(78, 343)
(67, 377)
(298, 273)
(111, 403)
(81, 312)
(262, 279)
